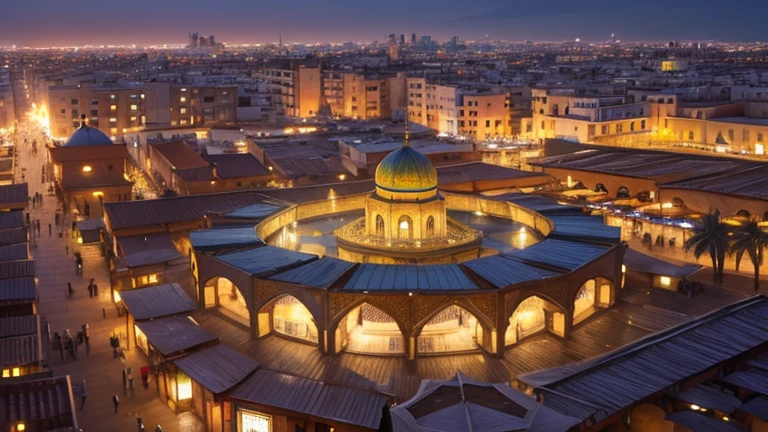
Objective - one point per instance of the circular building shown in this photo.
(405, 270)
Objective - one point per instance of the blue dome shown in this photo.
(88, 136)
(406, 170)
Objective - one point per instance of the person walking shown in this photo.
(130, 386)
(50, 230)
(90, 290)
(83, 395)
(37, 226)
(125, 382)
(66, 250)
(70, 291)
(115, 402)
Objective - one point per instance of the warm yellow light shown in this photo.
(87, 168)
(98, 194)
(16, 372)
(522, 230)
(79, 240)
(152, 278)
(6, 373)
(725, 418)
(271, 168)
(185, 387)
(623, 268)
(665, 280)
(116, 296)
(342, 177)
(404, 225)
(478, 213)
(21, 427)
(667, 205)
(695, 407)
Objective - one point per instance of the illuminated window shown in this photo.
(185, 386)
(252, 421)
(148, 279)
(133, 119)
(665, 280)
(183, 89)
(113, 119)
(6, 373)
(98, 194)
(182, 99)
(134, 107)
(113, 107)
(87, 168)
(16, 372)
(183, 110)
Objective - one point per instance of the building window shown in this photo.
(182, 99)
(379, 226)
(252, 421)
(642, 124)
(113, 119)
(75, 102)
(430, 227)
(134, 107)
(113, 107)
(208, 99)
(759, 137)
(745, 135)
(182, 110)
(690, 136)
(405, 228)
(94, 101)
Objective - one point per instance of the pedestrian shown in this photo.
(74, 227)
(50, 230)
(130, 385)
(57, 217)
(95, 290)
(145, 376)
(115, 402)
(83, 396)
(125, 382)
(70, 291)
(90, 290)
(38, 227)
(66, 250)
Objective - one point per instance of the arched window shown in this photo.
(379, 226)
(404, 228)
(623, 192)
(430, 227)
(743, 214)
(690, 136)
(600, 188)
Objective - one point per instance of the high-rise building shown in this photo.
(413, 38)
(402, 39)
(295, 86)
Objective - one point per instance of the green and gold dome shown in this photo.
(405, 170)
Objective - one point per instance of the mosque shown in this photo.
(405, 270)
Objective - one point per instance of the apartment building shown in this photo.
(295, 86)
(190, 105)
(7, 113)
(572, 114)
(115, 110)
(353, 95)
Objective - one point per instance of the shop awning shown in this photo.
(90, 230)
(218, 368)
(173, 334)
(157, 301)
(701, 423)
(640, 262)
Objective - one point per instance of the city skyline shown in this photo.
(48, 23)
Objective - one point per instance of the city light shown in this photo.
(39, 115)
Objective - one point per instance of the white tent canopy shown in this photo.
(462, 404)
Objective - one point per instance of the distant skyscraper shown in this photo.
(392, 39)
(402, 39)
(413, 39)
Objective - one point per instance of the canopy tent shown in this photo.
(463, 404)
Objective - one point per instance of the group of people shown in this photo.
(37, 200)
(70, 344)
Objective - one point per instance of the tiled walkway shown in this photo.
(103, 374)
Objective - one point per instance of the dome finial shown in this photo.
(82, 121)
(407, 142)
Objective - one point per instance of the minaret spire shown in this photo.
(407, 142)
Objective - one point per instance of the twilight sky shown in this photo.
(80, 22)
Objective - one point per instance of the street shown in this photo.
(55, 267)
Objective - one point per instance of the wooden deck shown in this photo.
(603, 332)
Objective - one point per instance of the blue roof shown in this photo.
(224, 237)
(255, 211)
(321, 273)
(88, 136)
(382, 277)
(540, 204)
(157, 301)
(562, 254)
(619, 379)
(265, 259)
(584, 228)
(502, 271)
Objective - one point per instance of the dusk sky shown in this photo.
(80, 22)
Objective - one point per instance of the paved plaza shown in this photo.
(55, 266)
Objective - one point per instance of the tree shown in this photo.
(750, 238)
(712, 237)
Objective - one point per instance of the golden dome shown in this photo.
(406, 170)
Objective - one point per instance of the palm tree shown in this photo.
(750, 238)
(712, 238)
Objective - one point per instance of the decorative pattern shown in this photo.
(406, 170)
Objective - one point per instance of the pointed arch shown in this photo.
(367, 329)
(533, 315)
(452, 328)
(288, 316)
(595, 293)
(430, 227)
(405, 228)
(623, 192)
(380, 227)
(223, 294)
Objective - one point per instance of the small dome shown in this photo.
(406, 170)
(88, 136)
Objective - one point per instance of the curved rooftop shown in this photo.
(406, 170)
(86, 136)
